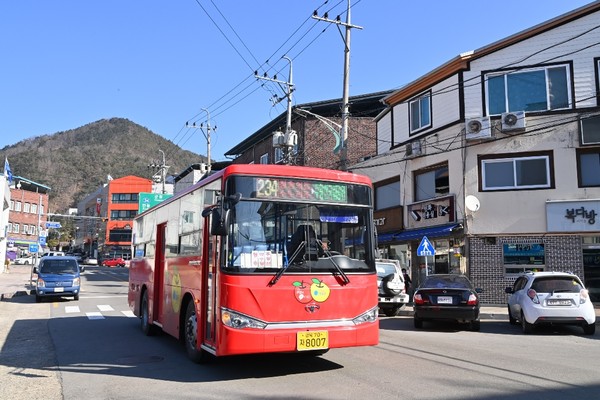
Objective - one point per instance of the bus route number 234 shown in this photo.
(312, 340)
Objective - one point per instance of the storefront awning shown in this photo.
(417, 234)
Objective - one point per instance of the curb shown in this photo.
(18, 293)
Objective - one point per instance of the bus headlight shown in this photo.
(236, 320)
(369, 316)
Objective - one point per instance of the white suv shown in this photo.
(550, 298)
(392, 293)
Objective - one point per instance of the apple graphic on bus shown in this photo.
(319, 290)
(302, 292)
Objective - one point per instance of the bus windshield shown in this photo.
(265, 236)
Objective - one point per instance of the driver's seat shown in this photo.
(304, 234)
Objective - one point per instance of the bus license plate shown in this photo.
(312, 340)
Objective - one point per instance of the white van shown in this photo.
(54, 254)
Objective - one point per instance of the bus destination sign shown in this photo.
(280, 188)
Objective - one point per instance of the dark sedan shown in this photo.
(447, 297)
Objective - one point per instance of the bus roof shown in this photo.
(290, 171)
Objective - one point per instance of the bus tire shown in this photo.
(190, 336)
(147, 327)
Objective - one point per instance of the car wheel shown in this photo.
(38, 299)
(418, 322)
(527, 327)
(475, 325)
(148, 328)
(589, 329)
(391, 311)
(385, 284)
(511, 319)
(76, 297)
(190, 336)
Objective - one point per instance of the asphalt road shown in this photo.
(94, 349)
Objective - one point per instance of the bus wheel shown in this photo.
(148, 328)
(191, 336)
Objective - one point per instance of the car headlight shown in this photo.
(237, 320)
(369, 316)
(41, 283)
(77, 282)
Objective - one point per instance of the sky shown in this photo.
(162, 64)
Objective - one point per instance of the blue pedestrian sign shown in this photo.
(425, 248)
(33, 248)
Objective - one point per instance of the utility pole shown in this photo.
(346, 90)
(206, 136)
(288, 139)
(162, 170)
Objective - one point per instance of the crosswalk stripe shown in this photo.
(129, 314)
(105, 307)
(94, 315)
(72, 309)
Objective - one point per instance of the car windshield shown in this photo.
(58, 267)
(446, 281)
(556, 284)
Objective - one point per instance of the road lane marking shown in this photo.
(129, 314)
(105, 307)
(94, 315)
(71, 309)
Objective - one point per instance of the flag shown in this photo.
(7, 171)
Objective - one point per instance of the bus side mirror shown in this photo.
(218, 224)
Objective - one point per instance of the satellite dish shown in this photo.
(472, 203)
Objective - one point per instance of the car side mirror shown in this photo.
(508, 290)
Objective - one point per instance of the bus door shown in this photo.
(159, 272)
(209, 274)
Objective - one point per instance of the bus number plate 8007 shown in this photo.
(312, 340)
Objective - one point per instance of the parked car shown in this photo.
(25, 260)
(392, 293)
(550, 298)
(113, 262)
(53, 254)
(91, 261)
(447, 297)
(57, 276)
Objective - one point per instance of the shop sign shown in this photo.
(388, 220)
(438, 211)
(573, 216)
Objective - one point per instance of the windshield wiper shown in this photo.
(339, 269)
(282, 270)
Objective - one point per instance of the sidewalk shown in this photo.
(15, 281)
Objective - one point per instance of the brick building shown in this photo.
(317, 127)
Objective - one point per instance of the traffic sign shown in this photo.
(53, 224)
(33, 248)
(42, 240)
(425, 248)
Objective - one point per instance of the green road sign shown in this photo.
(149, 200)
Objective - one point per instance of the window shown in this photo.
(17, 206)
(531, 172)
(125, 198)
(9, 227)
(16, 228)
(34, 208)
(26, 207)
(264, 159)
(387, 195)
(588, 167)
(32, 230)
(523, 257)
(420, 112)
(540, 89)
(120, 235)
(278, 154)
(431, 183)
(123, 215)
(12, 205)
(590, 130)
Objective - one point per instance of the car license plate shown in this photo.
(444, 300)
(312, 340)
(559, 302)
(59, 289)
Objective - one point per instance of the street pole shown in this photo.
(346, 89)
(206, 136)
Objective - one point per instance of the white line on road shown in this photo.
(94, 315)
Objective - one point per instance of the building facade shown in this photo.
(317, 128)
(495, 157)
(27, 216)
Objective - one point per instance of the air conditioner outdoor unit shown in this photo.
(512, 121)
(478, 128)
(413, 149)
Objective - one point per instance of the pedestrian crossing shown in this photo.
(102, 311)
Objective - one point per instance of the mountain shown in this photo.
(76, 162)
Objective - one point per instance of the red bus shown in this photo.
(259, 258)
